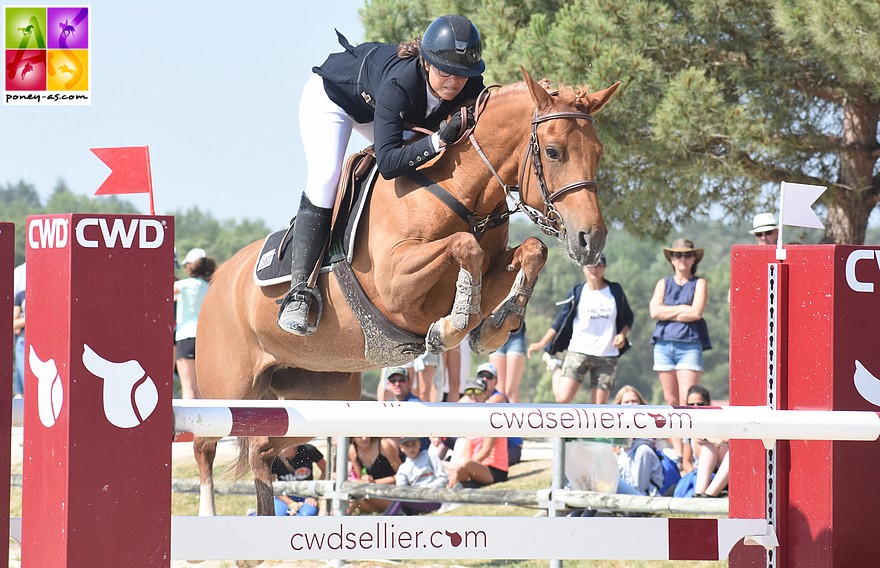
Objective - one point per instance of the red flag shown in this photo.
(130, 171)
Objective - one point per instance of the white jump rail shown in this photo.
(219, 418)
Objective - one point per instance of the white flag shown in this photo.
(796, 205)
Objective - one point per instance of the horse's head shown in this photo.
(564, 152)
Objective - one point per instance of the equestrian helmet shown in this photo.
(452, 44)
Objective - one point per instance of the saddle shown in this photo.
(386, 344)
(355, 184)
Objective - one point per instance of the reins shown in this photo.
(549, 221)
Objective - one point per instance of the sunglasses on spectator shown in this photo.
(473, 392)
(765, 233)
(698, 404)
(688, 254)
(397, 380)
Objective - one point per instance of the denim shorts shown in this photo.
(516, 345)
(678, 356)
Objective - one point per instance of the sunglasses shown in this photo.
(445, 75)
(765, 233)
(698, 404)
(398, 381)
(688, 254)
(473, 392)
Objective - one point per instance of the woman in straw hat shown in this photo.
(680, 335)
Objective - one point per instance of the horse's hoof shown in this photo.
(434, 340)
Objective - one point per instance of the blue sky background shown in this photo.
(212, 87)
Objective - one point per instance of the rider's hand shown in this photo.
(451, 130)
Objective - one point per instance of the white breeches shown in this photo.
(325, 130)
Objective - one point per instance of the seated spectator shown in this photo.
(375, 460)
(421, 469)
(477, 461)
(399, 386)
(295, 463)
(640, 470)
(697, 395)
(712, 454)
(489, 374)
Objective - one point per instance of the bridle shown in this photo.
(549, 221)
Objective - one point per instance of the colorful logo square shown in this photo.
(25, 27)
(68, 70)
(68, 27)
(29, 70)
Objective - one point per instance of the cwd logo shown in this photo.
(48, 233)
(91, 233)
(54, 232)
(854, 258)
(130, 395)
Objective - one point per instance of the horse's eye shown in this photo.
(552, 153)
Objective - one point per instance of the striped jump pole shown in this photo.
(285, 418)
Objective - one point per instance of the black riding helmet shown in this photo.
(452, 44)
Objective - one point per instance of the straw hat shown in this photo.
(683, 245)
(763, 222)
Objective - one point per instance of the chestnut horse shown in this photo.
(440, 272)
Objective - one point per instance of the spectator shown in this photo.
(18, 307)
(189, 294)
(681, 334)
(712, 454)
(421, 469)
(592, 325)
(489, 374)
(376, 460)
(641, 472)
(477, 461)
(510, 360)
(765, 229)
(399, 385)
(453, 360)
(425, 367)
(295, 463)
(697, 395)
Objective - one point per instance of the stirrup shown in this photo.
(302, 327)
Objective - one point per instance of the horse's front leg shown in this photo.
(508, 287)
(204, 450)
(451, 329)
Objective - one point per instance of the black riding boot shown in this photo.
(310, 234)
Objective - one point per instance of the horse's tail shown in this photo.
(243, 461)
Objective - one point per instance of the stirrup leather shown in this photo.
(301, 292)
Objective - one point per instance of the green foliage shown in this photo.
(193, 227)
(720, 99)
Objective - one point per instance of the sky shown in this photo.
(212, 87)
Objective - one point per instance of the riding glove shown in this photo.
(451, 129)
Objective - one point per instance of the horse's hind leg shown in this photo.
(205, 450)
(517, 276)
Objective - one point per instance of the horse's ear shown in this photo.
(597, 100)
(543, 101)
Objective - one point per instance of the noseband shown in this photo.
(549, 221)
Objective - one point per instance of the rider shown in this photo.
(380, 90)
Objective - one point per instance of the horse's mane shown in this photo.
(568, 95)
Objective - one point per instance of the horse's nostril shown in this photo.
(583, 239)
